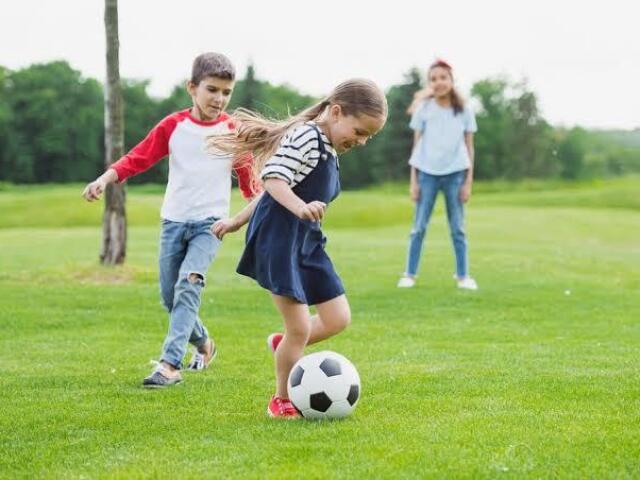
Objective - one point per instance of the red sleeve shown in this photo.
(243, 167)
(148, 152)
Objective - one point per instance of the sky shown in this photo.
(582, 59)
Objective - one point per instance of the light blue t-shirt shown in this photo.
(441, 149)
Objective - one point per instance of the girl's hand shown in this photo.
(224, 226)
(313, 211)
(424, 94)
(94, 190)
(465, 192)
(414, 191)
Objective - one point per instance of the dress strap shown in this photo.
(324, 155)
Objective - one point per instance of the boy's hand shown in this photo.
(224, 226)
(94, 190)
(313, 211)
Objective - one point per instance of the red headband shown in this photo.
(440, 63)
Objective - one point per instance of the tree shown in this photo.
(114, 223)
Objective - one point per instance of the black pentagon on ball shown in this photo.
(296, 376)
(354, 393)
(330, 367)
(320, 401)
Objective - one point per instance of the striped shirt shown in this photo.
(297, 155)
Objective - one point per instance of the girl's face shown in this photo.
(440, 81)
(348, 131)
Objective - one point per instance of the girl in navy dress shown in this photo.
(297, 161)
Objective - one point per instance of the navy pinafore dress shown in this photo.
(285, 254)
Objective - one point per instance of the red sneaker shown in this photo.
(273, 341)
(282, 408)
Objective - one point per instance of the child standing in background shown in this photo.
(442, 159)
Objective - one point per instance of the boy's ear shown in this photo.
(191, 87)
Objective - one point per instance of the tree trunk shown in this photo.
(114, 222)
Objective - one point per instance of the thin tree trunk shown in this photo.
(114, 222)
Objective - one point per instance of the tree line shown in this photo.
(52, 129)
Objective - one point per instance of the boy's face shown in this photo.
(210, 97)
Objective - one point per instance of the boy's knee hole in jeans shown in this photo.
(195, 278)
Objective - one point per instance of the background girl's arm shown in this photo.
(414, 187)
(465, 190)
(282, 193)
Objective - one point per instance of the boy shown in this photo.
(197, 195)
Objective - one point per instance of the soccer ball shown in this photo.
(324, 385)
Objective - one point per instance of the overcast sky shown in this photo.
(581, 58)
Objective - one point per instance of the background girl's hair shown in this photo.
(261, 136)
(457, 102)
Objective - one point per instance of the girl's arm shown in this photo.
(465, 190)
(228, 225)
(282, 193)
(414, 187)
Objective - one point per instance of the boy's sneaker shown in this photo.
(273, 341)
(200, 361)
(406, 282)
(467, 283)
(161, 378)
(282, 408)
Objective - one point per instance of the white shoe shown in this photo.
(406, 282)
(467, 283)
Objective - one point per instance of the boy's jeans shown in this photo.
(186, 248)
(429, 186)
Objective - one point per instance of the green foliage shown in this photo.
(51, 129)
(56, 123)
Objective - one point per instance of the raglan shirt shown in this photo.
(199, 184)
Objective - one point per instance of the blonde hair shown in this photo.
(261, 136)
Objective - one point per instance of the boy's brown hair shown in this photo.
(212, 64)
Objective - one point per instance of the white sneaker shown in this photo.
(406, 282)
(467, 283)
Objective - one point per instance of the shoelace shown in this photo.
(285, 407)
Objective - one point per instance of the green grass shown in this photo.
(537, 375)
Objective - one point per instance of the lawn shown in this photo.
(536, 375)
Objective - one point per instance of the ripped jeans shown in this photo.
(186, 252)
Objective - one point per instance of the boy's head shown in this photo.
(211, 84)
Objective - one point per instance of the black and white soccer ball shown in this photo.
(324, 385)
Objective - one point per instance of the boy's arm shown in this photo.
(228, 225)
(140, 158)
(243, 167)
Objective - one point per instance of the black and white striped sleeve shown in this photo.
(295, 158)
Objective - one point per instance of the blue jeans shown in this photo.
(186, 252)
(429, 186)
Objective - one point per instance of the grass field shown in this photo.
(537, 375)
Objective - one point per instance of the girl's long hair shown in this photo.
(457, 102)
(260, 136)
